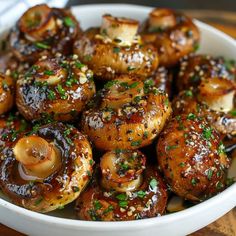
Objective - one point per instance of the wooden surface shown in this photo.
(226, 225)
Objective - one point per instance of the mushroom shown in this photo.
(38, 23)
(173, 34)
(42, 30)
(195, 68)
(54, 87)
(46, 169)
(192, 158)
(122, 194)
(127, 113)
(116, 49)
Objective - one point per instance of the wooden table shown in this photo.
(226, 225)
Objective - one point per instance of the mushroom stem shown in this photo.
(218, 94)
(122, 171)
(37, 157)
(123, 91)
(38, 23)
(160, 19)
(48, 70)
(119, 28)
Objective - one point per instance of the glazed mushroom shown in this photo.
(128, 190)
(55, 87)
(127, 113)
(116, 49)
(46, 169)
(195, 68)
(7, 90)
(192, 158)
(42, 30)
(173, 34)
(12, 126)
(214, 100)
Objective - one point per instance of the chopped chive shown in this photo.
(42, 45)
(48, 72)
(169, 147)
(209, 174)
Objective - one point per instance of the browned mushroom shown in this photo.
(46, 169)
(127, 113)
(192, 158)
(127, 190)
(173, 34)
(116, 49)
(212, 99)
(43, 31)
(55, 87)
(195, 68)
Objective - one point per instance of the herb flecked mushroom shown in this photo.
(128, 190)
(55, 87)
(127, 113)
(173, 34)
(46, 169)
(195, 68)
(213, 99)
(192, 158)
(42, 30)
(116, 49)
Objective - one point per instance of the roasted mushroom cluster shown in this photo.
(122, 119)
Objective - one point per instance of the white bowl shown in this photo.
(184, 222)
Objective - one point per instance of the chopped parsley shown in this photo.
(169, 147)
(121, 196)
(136, 143)
(194, 181)
(207, 133)
(97, 205)
(61, 91)
(48, 72)
(153, 184)
(191, 116)
(116, 49)
(188, 93)
(123, 204)
(38, 201)
(51, 95)
(69, 22)
(141, 194)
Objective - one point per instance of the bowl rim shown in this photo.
(106, 226)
